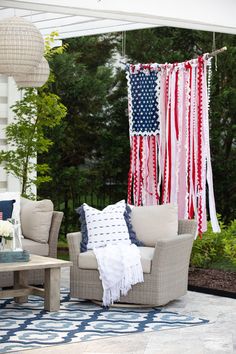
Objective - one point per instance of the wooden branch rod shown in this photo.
(218, 51)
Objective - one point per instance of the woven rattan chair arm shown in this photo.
(187, 227)
(172, 253)
(54, 232)
(74, 240)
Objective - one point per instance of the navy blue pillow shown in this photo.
(83, 225)
(6, 207)
(132, 233)
(84, 232)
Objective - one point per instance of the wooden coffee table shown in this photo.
(21, 290)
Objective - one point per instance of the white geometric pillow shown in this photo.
(107, 226)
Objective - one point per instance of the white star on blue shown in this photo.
(144, 104)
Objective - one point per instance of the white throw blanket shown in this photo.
(119, 267)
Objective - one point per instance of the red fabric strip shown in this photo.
(200, 127)
(130, 173)
(140, 171)
(176, 105)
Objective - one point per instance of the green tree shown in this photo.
(113, 153)
(84, 81)
(223, 128)
(166, 44)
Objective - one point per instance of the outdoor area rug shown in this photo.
(28, 326)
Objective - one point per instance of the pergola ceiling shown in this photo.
(73, 18)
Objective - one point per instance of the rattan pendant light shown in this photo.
(36, 77)
(21, 46)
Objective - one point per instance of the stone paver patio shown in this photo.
(217, 337)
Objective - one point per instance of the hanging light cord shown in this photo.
(123, 44)
(214, 49)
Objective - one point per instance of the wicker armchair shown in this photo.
(166, 279)
(36, 277)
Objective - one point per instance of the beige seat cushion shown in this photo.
(87, 260)
(152, 223)
(36, 217)
(41, 249)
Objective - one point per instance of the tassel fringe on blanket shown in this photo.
(170, 159)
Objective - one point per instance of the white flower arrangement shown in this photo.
(6, 229)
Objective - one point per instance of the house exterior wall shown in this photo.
(8, 96)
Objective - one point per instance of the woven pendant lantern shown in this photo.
(36, 77)
(21, 46)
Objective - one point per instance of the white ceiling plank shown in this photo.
(46, 16)
(93, 23)
(61, 22)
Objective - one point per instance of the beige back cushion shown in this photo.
(155, 222)
(36, 217)
(41, 249)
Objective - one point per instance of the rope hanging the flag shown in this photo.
(169, 137)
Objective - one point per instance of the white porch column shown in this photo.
(9, 94)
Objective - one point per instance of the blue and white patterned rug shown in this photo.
(28, 326)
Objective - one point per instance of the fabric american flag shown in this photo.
(170, 159)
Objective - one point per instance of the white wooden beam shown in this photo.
(209, 15)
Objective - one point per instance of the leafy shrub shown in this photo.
(215, 246)
(229, 242)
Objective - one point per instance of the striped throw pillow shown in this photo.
(100, 228)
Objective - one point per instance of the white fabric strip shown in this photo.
(212, 208)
